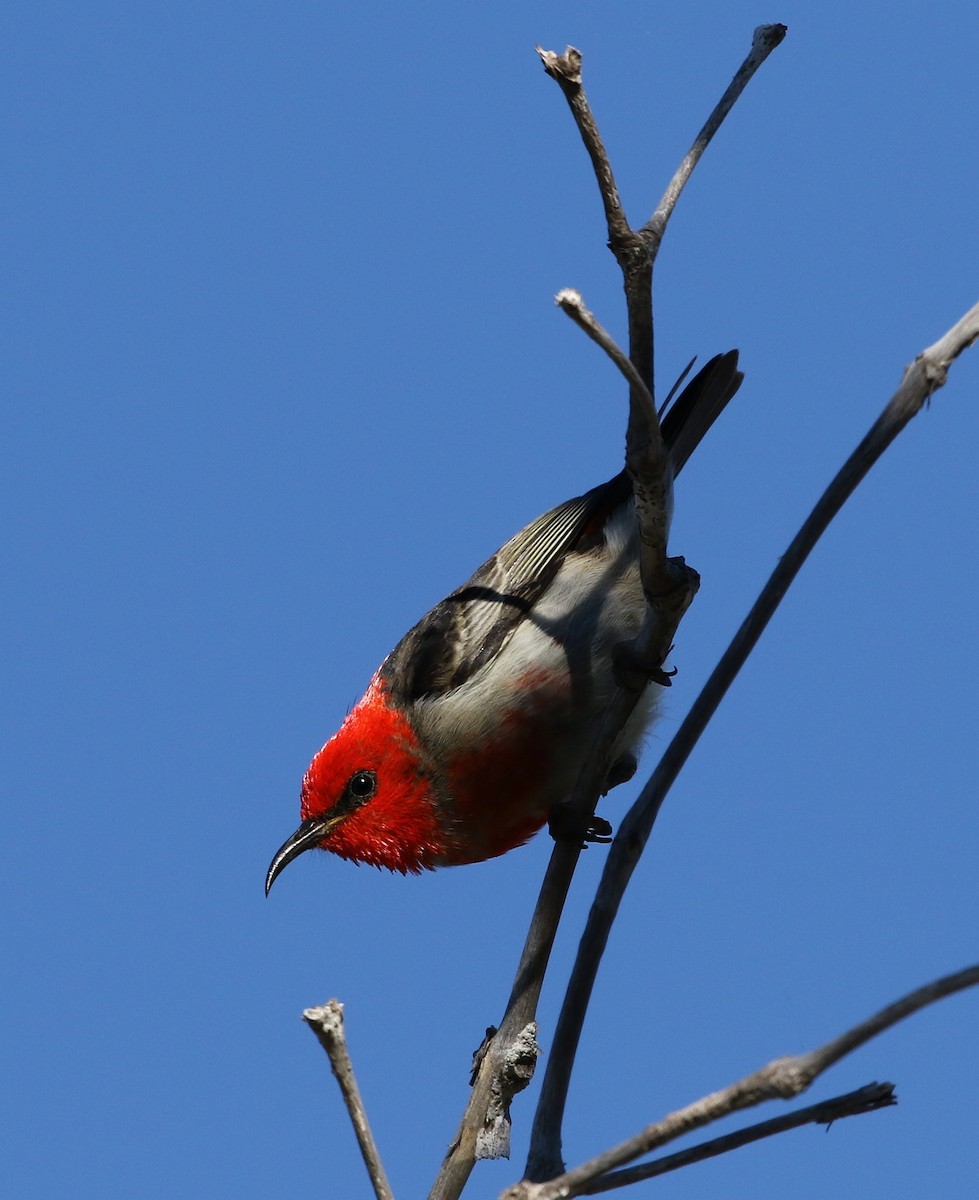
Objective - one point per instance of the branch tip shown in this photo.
(565, 68)
(767, 37)
(326, 1021)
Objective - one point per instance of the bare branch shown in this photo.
(326, 1021)
(649, 466)
(635, 252)
(484, 1127)
(630, 250)
(870, 1098)
(923, 377)
(815, 1063)
(670, 585)
(565, 69)
(572, 303)
(766, 38)
(782, 1079)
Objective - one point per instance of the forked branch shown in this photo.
(636, 250)
(669, 583)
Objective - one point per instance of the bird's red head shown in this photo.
(369, 794)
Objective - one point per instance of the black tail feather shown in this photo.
(699, 405)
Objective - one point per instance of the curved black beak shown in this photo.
(309, 834)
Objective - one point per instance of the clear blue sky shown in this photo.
(281, 367)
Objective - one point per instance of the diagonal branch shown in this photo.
(867, 1099)
(572, 304)
(782, 1079)
(923, 377)
(766, 38)
(326, 1021)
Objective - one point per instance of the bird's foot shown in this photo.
(633, 671)
(566, 826)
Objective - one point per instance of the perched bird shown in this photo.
(474, 727)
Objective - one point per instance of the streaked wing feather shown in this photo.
(468, 627)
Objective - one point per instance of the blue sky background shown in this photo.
(281, 367)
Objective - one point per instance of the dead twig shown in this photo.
(870, 1098)
(766, 38)
(326, 1021)
(782, 1079)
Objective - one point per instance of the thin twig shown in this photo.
(871, 1098)
(925, 375)
(669, 587)
(813, 1064)
(326, 1021)
(766, 38)
(480, 1132)
(572, 303)
(669, 584)
(565, 69)
(782, 1079)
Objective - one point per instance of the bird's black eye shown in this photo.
(362, 785)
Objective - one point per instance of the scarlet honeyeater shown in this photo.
(475, 725)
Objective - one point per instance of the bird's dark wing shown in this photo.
(463, 633)
(458, 636)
